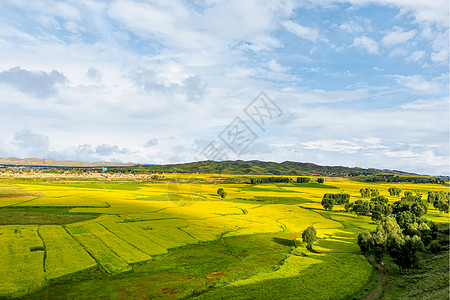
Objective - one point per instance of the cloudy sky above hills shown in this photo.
(354, 83)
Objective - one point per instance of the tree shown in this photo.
(405, 218)
(361, 208)
(309, 236)
(374, 192)
(381, 199)
(303, 179)
(365, 192)
(221, 192)
(365, 241)
(387, 210)
(394, 191)
(408, 193)
(435, 247)
(377, 212)
(320, 180)
(404, 252)
(327, 202)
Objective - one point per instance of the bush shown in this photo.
(435, 247)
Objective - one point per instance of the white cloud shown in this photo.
(36, 83)
(417, 55)
(301, 31)
(151, 142)
(420, 84)
(351, 27)
(397, 36)
(275, 67)
(333, 145)
(366, 43)
(423, 10)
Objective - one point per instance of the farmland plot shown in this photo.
(107, 259)
(21, 259)
(64, 255)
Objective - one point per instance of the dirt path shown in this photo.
(377, 289)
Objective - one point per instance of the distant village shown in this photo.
(99, 173)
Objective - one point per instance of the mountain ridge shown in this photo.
(238, 167)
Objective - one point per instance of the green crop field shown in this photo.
(178, 239)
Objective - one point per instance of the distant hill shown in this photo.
(238, 167)
(12, 161)
(256, 167)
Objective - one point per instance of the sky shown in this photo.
(344, 82)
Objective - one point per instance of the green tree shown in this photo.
(435, 247)
(408, 193)
(394, 191)
(365, 241)
(320, 180)
(365, 192)
(405, 250)
(327, 202)
(381, 199)
(303, 179)
(405, 218)
(361, 208)
(374, 192)
(387, 210)
(377, 212)
(309, 236)
(221, 192)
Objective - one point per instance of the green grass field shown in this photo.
(179, 239)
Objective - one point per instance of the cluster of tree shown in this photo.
(394, 191)
(367, 192)
(396, 178)
(329, 200)
(440, 200)
(269, 180)
(400, 241)
(378, 207)
(320, 180)
(221, 192)
(413, 204)
(303, 179)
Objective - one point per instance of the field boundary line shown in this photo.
(119, 239)
(181, 229)
(82, 246)
(44, 260)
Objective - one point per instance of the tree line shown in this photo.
(283, 180)
(400, 179)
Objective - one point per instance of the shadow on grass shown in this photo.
(311, 249)
(284, 242)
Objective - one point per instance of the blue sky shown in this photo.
(357, 83)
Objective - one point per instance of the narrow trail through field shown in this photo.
(377, 289)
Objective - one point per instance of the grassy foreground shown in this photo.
(179, 239)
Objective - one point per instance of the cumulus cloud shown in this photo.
(420, 84)
(34, 142)
(351, 27)
(398, 36)
(417, 55)
(105, 150)
(302, 31)
(94, 75)
(194, 88)
(151, 142)
(366, 43)
(39, 84)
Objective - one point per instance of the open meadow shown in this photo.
(177, 238)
